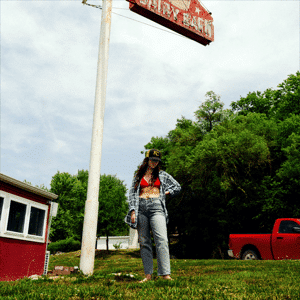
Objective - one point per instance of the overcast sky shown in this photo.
(49, 53)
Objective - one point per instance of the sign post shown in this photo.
(91, 205)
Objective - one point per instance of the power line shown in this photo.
(99, 6)
(151, 25)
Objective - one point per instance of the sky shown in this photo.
(49, 54)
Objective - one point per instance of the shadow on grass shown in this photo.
(111, 253)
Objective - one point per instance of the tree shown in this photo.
(280, 192)
(279, 104)
(71, 199)
(211, 111)
(220, 176)
(255, 102)
(287, 97)
(72, 192)
(112, 207)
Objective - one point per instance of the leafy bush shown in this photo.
(66, 245)
(118, 246)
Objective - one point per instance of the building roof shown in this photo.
(27, 187)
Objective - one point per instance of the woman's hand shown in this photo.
(133, 216)
(167, 193)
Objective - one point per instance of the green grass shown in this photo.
(193, 279)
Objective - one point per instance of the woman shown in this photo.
(147, 208)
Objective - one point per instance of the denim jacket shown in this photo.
(167, 183)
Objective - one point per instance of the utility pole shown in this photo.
(89, 232)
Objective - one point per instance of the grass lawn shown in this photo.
(193, 279)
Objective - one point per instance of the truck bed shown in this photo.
(262, 241)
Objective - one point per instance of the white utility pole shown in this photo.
(91, 205)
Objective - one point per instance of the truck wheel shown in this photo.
(250, 254)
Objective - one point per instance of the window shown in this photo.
(22, 218)
(16, 217)
(1, 206)
(36, 222)
(287, 227)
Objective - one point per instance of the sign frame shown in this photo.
(186, 17)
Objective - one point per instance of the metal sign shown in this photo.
(187, 17)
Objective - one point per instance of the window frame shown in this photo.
(25, 236)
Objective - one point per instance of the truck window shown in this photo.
(287, 227)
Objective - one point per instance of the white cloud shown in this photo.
(49, 66)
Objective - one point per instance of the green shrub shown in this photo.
(66, 245)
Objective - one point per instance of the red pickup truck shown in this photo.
(282, 243)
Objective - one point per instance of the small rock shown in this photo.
(35, 277)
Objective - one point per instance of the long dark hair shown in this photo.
(139, 174)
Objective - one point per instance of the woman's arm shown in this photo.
(172, 186)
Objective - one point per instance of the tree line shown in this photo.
(239, 168)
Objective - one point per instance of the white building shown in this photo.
(126, 242)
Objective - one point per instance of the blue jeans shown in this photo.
(151, 214)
